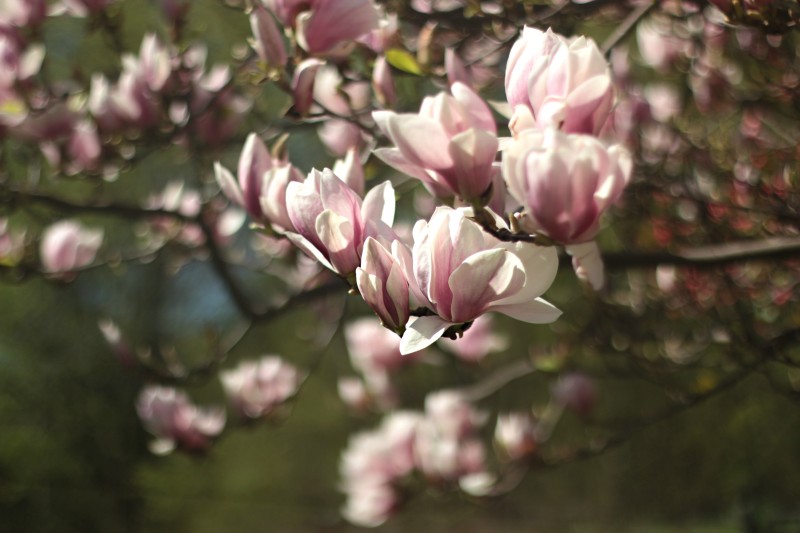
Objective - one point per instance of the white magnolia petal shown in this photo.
(421, 332)
(536, 311)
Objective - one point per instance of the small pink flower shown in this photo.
(68, 246)
(331, 222)
(564, 182)
(450, 145)
(464, 272)
(256, 389)
(554, 81)
(383, 82)
(345, 100)
(175, 421)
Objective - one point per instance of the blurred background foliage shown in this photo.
(74, 458)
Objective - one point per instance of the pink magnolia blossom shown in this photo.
(515, 434)
(267, 40)
(329, 24)
(373, 464)
(383, 82)
(84, 146)
(375, 354)
(256, 389)
(564, 182)
(22, 13)
(261, 185)
(68, 246)
(287, 10)
(450, 145)
(83, 8)
(350, 170)
(175, 421)
(446, 445)
(551, 80)
(331, 222)
(303, 82)
(387, 284)
(464, 272)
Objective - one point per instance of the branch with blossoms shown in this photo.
(464, 152)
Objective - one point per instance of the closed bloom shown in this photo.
(267, 40)
(464, 272)
(450, 145)
(261, 184)
(331, 23)
(564, 182)
(551, 80)
(383, 280)
(175, 421)
(331, 222)
(68, 246)
(257, 388)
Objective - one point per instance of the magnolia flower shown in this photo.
(303, 82)
(515, 434)
(554, 81)
(329, 24)
(331, 222)
(450, 145)
(463, 272)
(386, 282)
(446, 446)
(256, 388)
(564, 182)
(176, 422)
(262, 182)
(267, 40)
(68, 246)
(371, 465)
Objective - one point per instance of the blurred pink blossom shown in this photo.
(576, 392)
(67, 246)
(330, 24)
(176, 422)
(515, 434)
(255, 389)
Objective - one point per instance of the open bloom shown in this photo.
(332, 223)
(564, 182)
(450, 145)
(68, 246)
(551, 80)
(256, 388)
(464, 272)
(176, 422)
